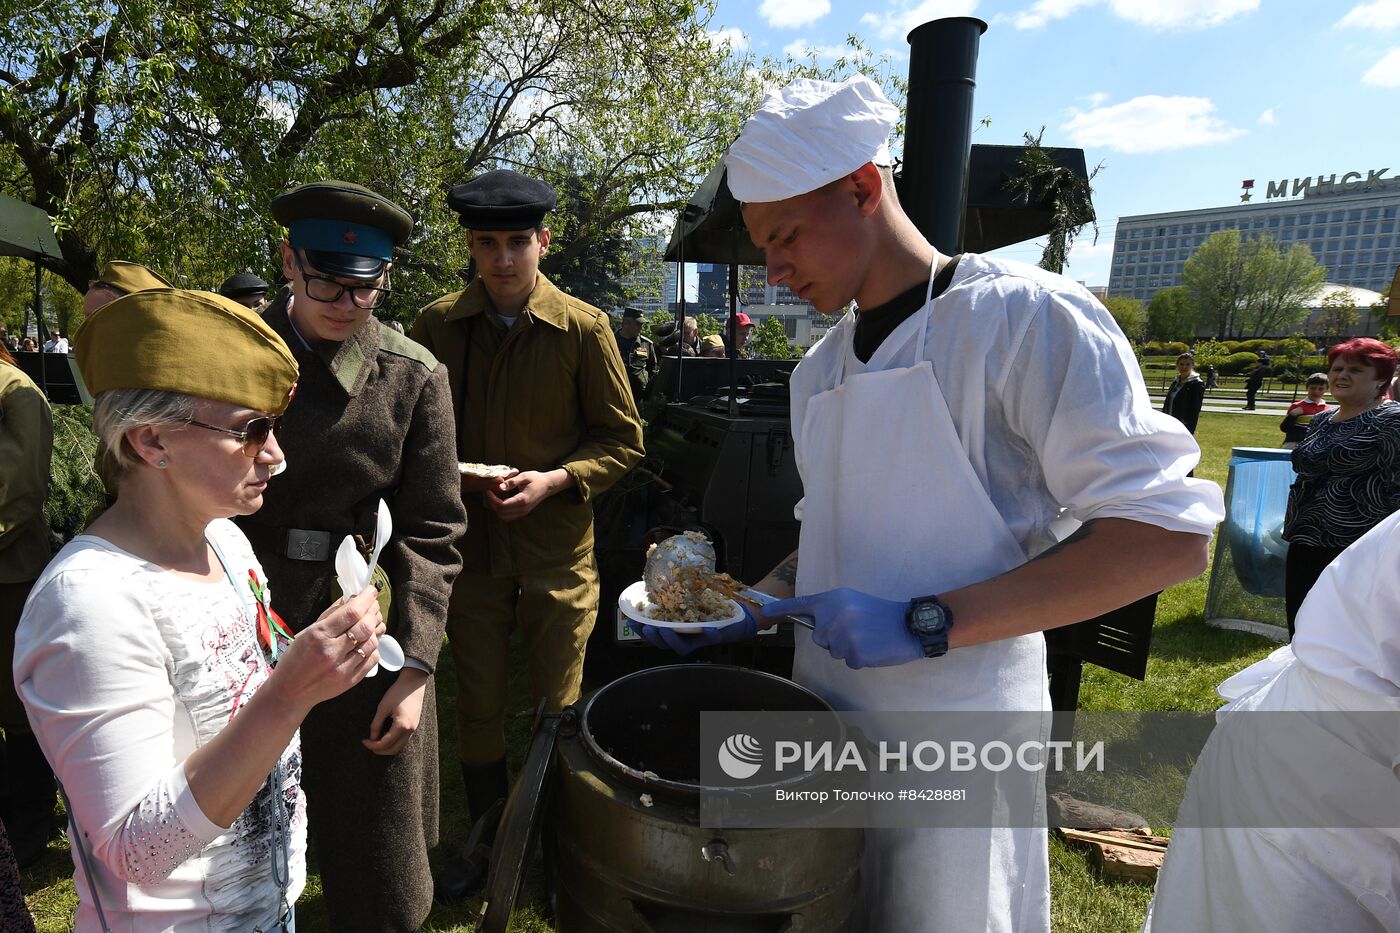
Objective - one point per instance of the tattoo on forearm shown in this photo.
(786, 572)
(1084, 531)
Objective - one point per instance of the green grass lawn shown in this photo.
(1188, 659)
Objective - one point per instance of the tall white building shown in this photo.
(657, 283)
(1351, 222)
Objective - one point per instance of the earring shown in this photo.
(161, 464)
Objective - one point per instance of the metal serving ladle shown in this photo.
(681, 552)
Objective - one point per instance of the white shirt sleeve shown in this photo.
(92, 672)
(1074, 393)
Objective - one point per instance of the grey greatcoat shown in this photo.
(371, 418)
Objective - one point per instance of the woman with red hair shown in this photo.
(1348, 465)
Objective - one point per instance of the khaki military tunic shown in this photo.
(550, 392)
(26, 443)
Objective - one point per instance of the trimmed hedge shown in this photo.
(1237, 364)
(1173, 348)
(1271, 347)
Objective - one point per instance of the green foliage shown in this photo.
(1251, 286)
(655, 320)
(1172, 349)
(769, 341)
(160, 133)
(707, 325)
(1172, 315)
(75, 492)
(1043, 182)
(1210, 353)
(1339, 316)
(1294, 350)
(1129, 315)
(1237, 364)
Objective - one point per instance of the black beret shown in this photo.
(502, 200)
(243, 283)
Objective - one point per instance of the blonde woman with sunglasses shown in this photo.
(162, 687)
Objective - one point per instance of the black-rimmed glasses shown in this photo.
(254, 435)
(320, 288)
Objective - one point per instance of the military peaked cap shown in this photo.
(346, 229)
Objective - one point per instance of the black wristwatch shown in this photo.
(930, 620)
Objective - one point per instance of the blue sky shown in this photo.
(1180, 99)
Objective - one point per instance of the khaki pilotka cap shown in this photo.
(127, 277)
(194, 343)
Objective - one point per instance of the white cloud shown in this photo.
(1150, 124)
(1083, 250)
(738, 42)
(1181, 14)
(1380, 14)
(1042, 11)
(789, 14)
(1268, 118)
(903, 15)
(1097, 98)
(801, 48)
(1157, 14)
(1386, 72)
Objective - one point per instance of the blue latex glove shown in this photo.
(683, 643)
(860, 629)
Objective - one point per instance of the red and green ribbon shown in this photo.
(270, 624)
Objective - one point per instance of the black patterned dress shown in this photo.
(1348, 481)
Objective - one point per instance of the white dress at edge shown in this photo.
(1328, 770)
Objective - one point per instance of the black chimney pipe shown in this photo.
(938, 127)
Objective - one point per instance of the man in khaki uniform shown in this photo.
(538, 385)
(26, 446)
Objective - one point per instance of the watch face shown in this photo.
(928, 618)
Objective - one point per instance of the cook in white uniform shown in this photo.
(1309, 856)
(939, 429)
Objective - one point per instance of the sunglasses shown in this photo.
(254, 435)
(320, 288)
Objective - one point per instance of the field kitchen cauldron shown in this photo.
(612, 786)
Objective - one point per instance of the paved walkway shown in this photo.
(1236, 406)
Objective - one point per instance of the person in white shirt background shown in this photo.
(57, 343)
(940, 429)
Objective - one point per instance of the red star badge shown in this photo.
(349, 236)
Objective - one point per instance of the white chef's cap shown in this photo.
(807, 135)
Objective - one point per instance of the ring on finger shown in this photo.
(350, 634)
(361, 653)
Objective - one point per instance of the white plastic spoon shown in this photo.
(391, 656)
(353, 574)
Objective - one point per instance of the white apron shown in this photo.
(892, 507)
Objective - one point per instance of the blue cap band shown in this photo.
(341, 236)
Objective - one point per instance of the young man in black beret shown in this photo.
(538, 385)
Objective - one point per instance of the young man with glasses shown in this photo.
(372, 419)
